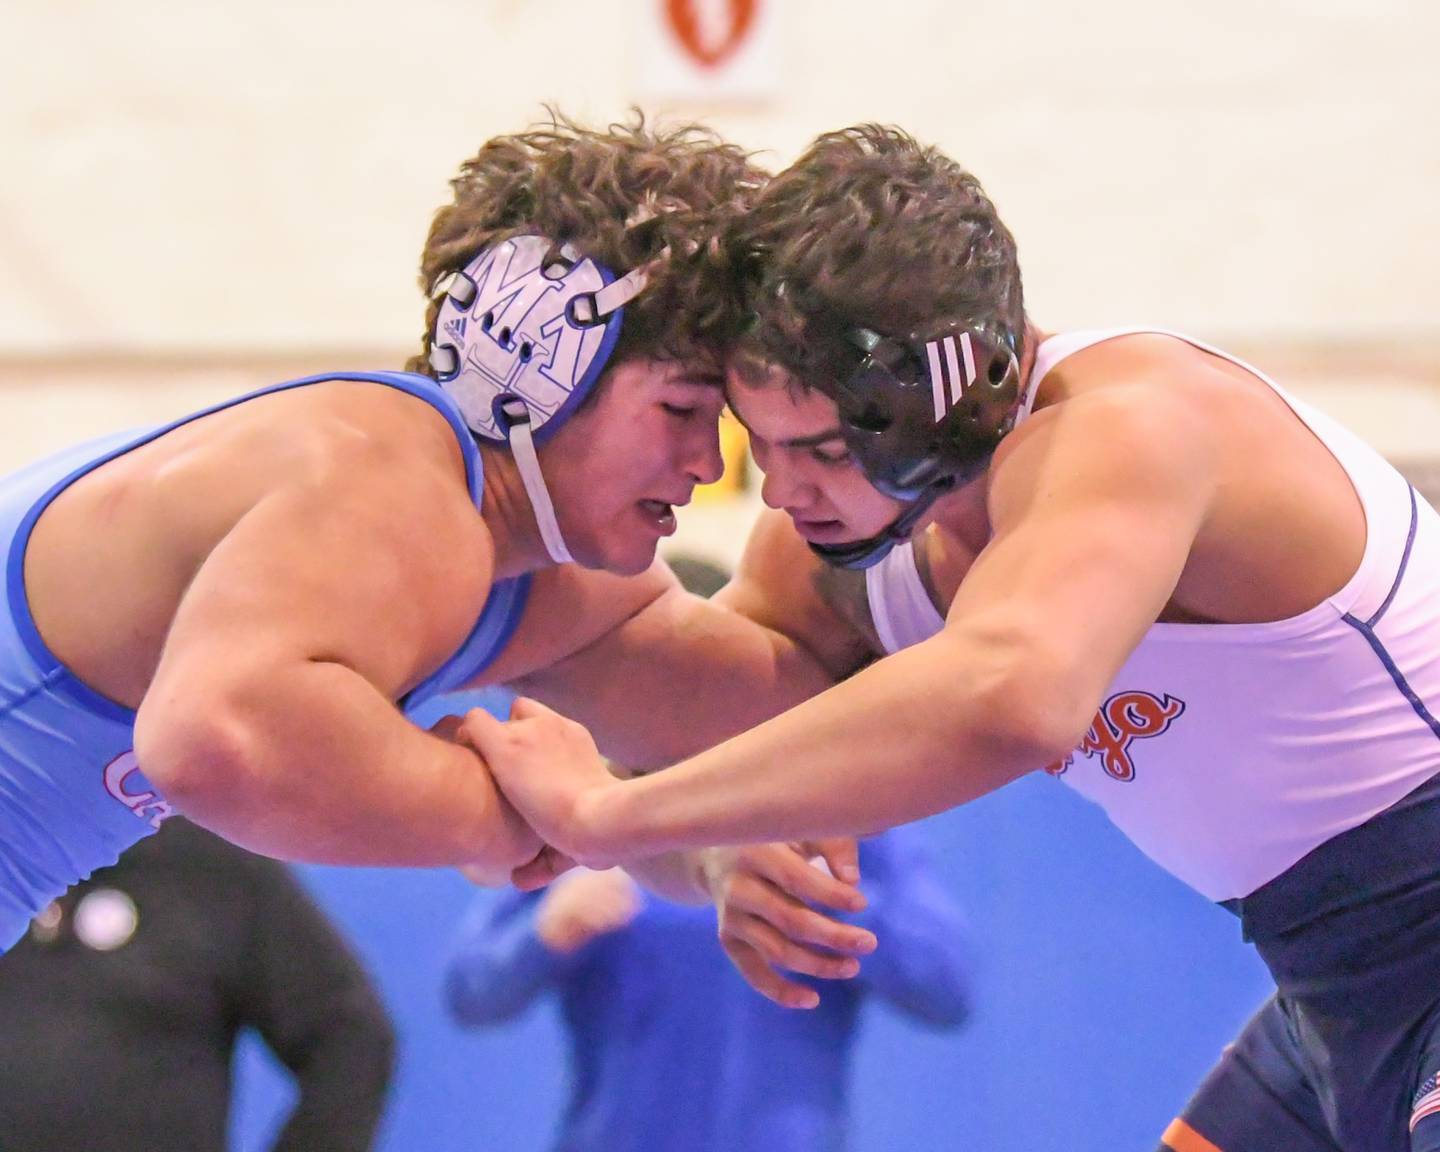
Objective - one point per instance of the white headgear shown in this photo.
(523, 334)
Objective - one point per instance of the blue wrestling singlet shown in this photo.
(72, 796)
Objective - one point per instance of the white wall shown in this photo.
(242, 189)
(260, 175)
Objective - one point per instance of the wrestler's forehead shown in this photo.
(775, 412)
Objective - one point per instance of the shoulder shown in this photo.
(389, 463)
(1146, 381)
(1152, 406)
(368, 491)
(365, 427)
(1135, 450)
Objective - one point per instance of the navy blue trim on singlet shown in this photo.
(1404, 559)
(498, 619)
(1366, 628)
(1395, 674)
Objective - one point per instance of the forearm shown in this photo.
(912, 735)
(499, 966)
(342, 1087)
(694, 674)
(317, 765)
(673, 876)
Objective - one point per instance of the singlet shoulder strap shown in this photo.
(492, 632)
(422, 388)
(900, 605)
(1058, 348)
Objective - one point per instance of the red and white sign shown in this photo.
(708, 49)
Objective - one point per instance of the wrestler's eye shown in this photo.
(679, 410)
(831, 456)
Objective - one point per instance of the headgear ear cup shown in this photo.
(523, 334)
(922, 417)
(526, 320)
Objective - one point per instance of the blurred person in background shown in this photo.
(697, 575)
(669, 1049)
(122, 1006)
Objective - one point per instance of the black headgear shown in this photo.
(921, 417)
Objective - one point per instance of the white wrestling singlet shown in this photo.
(1227, 752)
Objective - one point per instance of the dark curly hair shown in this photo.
(622, 195)
(870, 228)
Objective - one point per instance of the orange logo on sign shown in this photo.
(711, 30)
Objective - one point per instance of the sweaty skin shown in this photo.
(1154, 482)
(287, 568)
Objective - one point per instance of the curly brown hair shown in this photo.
(870, 228)
(623, 196)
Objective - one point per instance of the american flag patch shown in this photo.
(1427, 1101)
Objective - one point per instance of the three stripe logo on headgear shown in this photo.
(946, 378)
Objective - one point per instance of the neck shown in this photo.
(963, 514)
(509, 517)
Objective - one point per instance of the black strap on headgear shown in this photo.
(922, 417)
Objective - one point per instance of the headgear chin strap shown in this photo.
(922, 417)
(866, 553)
(524, 332)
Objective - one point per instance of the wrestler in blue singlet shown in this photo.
(72, 796)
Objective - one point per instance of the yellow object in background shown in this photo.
(735, 450)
